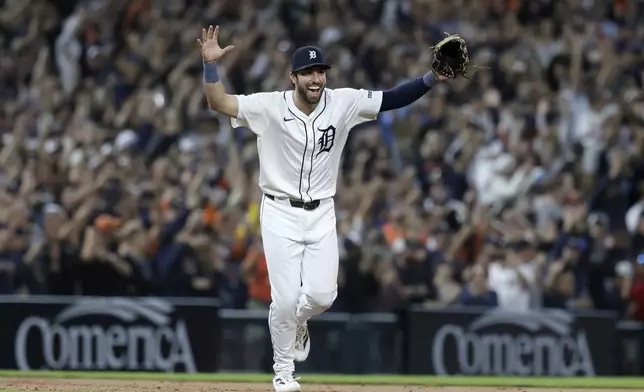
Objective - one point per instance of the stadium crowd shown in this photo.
(522, 187)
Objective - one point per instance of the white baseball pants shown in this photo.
(301, 250)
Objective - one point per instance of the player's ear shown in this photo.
(293, 77)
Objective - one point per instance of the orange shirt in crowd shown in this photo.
(259, 287)
(393, 232)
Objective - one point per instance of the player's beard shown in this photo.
(310, 97)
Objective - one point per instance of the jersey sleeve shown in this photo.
(362, 105)
(252, 111)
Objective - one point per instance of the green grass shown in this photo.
(542, 382)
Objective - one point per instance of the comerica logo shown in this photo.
(142, 337)
(547, 346)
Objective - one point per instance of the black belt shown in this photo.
(307, 205)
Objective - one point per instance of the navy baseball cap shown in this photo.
(307, 57)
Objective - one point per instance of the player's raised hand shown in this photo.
(209, 42)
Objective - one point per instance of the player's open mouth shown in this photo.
(314, 89)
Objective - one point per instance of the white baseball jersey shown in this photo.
(300, 155)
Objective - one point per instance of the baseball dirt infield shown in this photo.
(12, 384)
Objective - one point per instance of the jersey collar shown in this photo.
(293, 108)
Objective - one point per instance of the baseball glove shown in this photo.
(450, 57)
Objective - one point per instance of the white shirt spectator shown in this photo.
(68, 53)
(633, 216)
(505, 281)
(505, 181)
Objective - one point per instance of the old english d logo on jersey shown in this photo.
(325, 141)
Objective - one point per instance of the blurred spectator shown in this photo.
(521, 186)
(560, 286)
(255, 275)
(476, 291)
(636, 295)
(635, 223)
(514, 279)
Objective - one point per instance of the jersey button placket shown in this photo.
(304, 157)
(310, 162)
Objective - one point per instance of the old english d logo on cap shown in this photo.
(307, 57)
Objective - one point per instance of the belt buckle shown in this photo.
(310, 205)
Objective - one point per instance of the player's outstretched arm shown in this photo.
(211, 53)
(409, 92)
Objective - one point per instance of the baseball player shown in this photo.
(300, 137)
